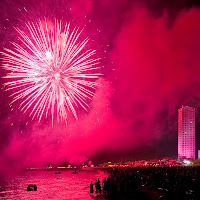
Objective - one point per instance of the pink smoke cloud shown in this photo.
(74, 142)
(156, 67)
(80, 8)
(154, 60)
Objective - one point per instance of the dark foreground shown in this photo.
(122, 184)
(154, 183)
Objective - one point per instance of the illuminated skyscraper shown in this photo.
(186, 132)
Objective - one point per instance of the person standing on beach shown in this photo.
(104, 186)
(91, 188)
(99, 186)
(96, 186)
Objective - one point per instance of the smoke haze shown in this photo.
(150, 61)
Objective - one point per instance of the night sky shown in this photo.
(150, 61)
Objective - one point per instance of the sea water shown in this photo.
(50, 185)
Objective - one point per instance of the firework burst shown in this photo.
(52, 72)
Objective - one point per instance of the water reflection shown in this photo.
(50, 186)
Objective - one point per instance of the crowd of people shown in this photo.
(106, 185)
(151, 183)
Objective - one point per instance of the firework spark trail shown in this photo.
(52, 71)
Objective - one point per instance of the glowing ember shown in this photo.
(52, 72)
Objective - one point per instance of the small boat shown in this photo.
(57, 173)
(75, 172)
(31, 187)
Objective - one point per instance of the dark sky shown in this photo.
(150, 62)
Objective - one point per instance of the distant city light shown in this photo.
(187, 162)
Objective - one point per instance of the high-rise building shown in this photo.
(186, 132)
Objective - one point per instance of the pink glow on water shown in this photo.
(49, 185)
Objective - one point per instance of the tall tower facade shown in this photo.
(186, 132)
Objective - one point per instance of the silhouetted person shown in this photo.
(96, 186)
(91, 188)
(99, 186)
(104, 186)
